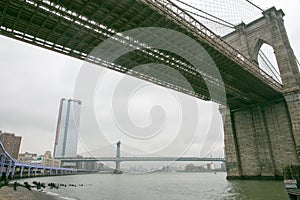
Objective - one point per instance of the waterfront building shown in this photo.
(47, 154)
(67, 128)
(91, 166)
(210, 166)
(192, 168)
(48, 160)
(84, 165)
(11, 143)
(45, 160)
(27, 157)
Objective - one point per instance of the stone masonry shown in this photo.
(261, 139)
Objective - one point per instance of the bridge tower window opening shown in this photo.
(267, 61)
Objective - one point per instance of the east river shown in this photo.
(163, 186)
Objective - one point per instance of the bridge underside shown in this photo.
(76, 27)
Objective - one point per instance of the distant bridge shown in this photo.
(121, 159)
(118, 159)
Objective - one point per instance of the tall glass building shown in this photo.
(67, 128)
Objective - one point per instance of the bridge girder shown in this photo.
(76, 27)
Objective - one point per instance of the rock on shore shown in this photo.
(7, 193)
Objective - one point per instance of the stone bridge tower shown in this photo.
(261, 139)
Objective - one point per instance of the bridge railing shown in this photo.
(179, 14)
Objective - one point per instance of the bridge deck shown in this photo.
(113, 159)
(76, 27)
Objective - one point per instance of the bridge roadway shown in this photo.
(76, 27)
(114, 159)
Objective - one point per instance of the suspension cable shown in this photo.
(220, 23)
(275, 76)
(269, 65)
(83, 145)
(206, 13)
(212, 148)
(297, 61)
(269, 62)
(99, 149)
(256, 6)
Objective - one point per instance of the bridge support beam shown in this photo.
(28, 172)
(231, 145)
(21, 172)
(8, 168)
(2, 162)
(13, 171)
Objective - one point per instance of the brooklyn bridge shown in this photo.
(261, 114)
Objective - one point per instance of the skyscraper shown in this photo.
(67, 128)
(11, 143)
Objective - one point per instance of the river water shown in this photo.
(163, 186)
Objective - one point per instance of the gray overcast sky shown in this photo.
(33, 80)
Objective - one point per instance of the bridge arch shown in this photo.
(270, 30)
(258, 43)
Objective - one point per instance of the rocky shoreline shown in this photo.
(8, 193)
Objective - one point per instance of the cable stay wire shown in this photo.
(206, 13)
(272, 73)
(270, 66)
(262, 54)
(140, 151)
(94, 150)
(213, 148)
(221, 151)
(84, 146)
(220, 23)
(256, 6)
(147, 153)
(297, 61)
